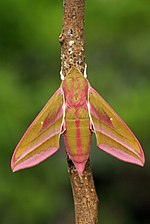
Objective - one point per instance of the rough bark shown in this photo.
(72, 36)
(84, 194)
(73, 54)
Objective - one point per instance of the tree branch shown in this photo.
(84, 194)
(73, 54)
(72, 36)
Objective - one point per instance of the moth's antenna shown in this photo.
(61, 75)
(85, 69)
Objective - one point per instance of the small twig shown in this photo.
(73, 54)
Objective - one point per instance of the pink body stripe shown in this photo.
(78, 138)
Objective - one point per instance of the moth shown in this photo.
(76, 110)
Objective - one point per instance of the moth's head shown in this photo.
(74, 71)
(74, 79)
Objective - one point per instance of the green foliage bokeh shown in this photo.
(117, 54)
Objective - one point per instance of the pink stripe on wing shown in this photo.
(51, 119)
(101, 115)
(119, 154)
(34, 160)
(114, 138)
(36, 145)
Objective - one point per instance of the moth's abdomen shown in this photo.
(77, 139)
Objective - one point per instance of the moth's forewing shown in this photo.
(41, 139)
(112, 134)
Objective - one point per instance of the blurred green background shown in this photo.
(117, 36)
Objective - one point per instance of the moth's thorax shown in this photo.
(75, 88)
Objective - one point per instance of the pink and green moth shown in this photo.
(76, 110)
